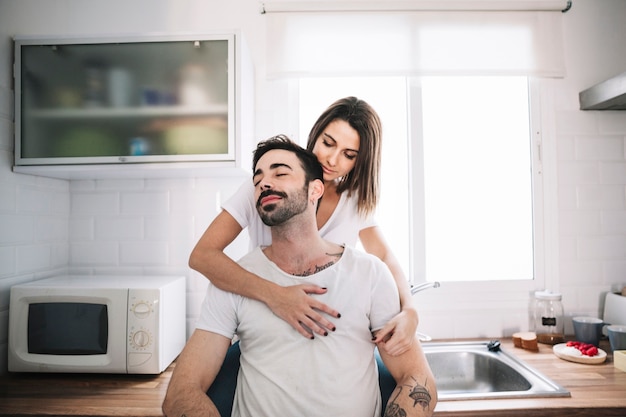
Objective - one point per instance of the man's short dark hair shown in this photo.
(308, 160)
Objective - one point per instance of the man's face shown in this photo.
(279, 187)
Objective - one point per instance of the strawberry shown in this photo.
(586, 349)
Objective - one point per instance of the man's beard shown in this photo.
(273, 214)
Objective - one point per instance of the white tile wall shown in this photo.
(592, 207)
(34, 233)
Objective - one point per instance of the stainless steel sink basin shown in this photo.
(470, 370)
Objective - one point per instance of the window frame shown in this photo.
(415, 151)
(501, 295)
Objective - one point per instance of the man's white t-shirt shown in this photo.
(342, 227)
(284, 373)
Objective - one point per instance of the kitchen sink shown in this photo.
(481, 370)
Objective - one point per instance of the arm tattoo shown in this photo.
(418, 393)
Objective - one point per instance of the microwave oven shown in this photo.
(97, 324)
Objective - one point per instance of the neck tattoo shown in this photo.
(317, 268)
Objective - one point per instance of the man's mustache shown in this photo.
(268, 193)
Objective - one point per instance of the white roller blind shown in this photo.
(277, 6)
(301, 44)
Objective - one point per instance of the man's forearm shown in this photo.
(412, 398)
(416, 390)
(195, 371)
(188, 403)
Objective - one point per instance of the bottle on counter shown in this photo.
(548, 318)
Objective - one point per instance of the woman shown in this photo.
(347, 141)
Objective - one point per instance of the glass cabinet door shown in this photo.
(117, 102)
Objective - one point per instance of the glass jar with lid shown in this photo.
(549, 324)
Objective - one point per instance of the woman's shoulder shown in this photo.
(349, 205)
(365, 266)
(349, 199)
(238, 204)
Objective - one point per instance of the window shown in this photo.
(460, 182)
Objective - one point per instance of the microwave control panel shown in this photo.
(143, 325)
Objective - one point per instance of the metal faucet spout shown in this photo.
(424, 286)
(414, 290)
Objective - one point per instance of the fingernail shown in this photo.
(333, 329)
(338, 315)
(324, 288)
(325, 333)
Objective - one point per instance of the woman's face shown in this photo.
(337, 149)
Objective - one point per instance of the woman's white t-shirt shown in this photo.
(342, 227)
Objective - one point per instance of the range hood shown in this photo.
(607, 95)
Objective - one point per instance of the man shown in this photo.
(282, 373)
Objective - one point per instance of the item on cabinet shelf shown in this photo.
(194, 86)
(139, 146)
(66, 97)
(617, 336)
(153, 96)
(192, 136)
(94, 86)
(120, 87)
(588, 329)
(80, 141)
(570, 353)
(525, 340)
(549, 324)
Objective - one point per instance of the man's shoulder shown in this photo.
(362, 258)
(359, 254)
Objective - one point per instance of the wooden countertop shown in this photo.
(596, 390)
(27, 394)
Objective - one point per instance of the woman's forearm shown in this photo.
(228, 275)
(404, 290)
(374, 243)
(209, 259)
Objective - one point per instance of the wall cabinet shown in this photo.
(132, 106)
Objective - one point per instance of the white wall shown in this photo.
(149, 226)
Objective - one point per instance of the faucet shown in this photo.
(424, 286)
(414, 290)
